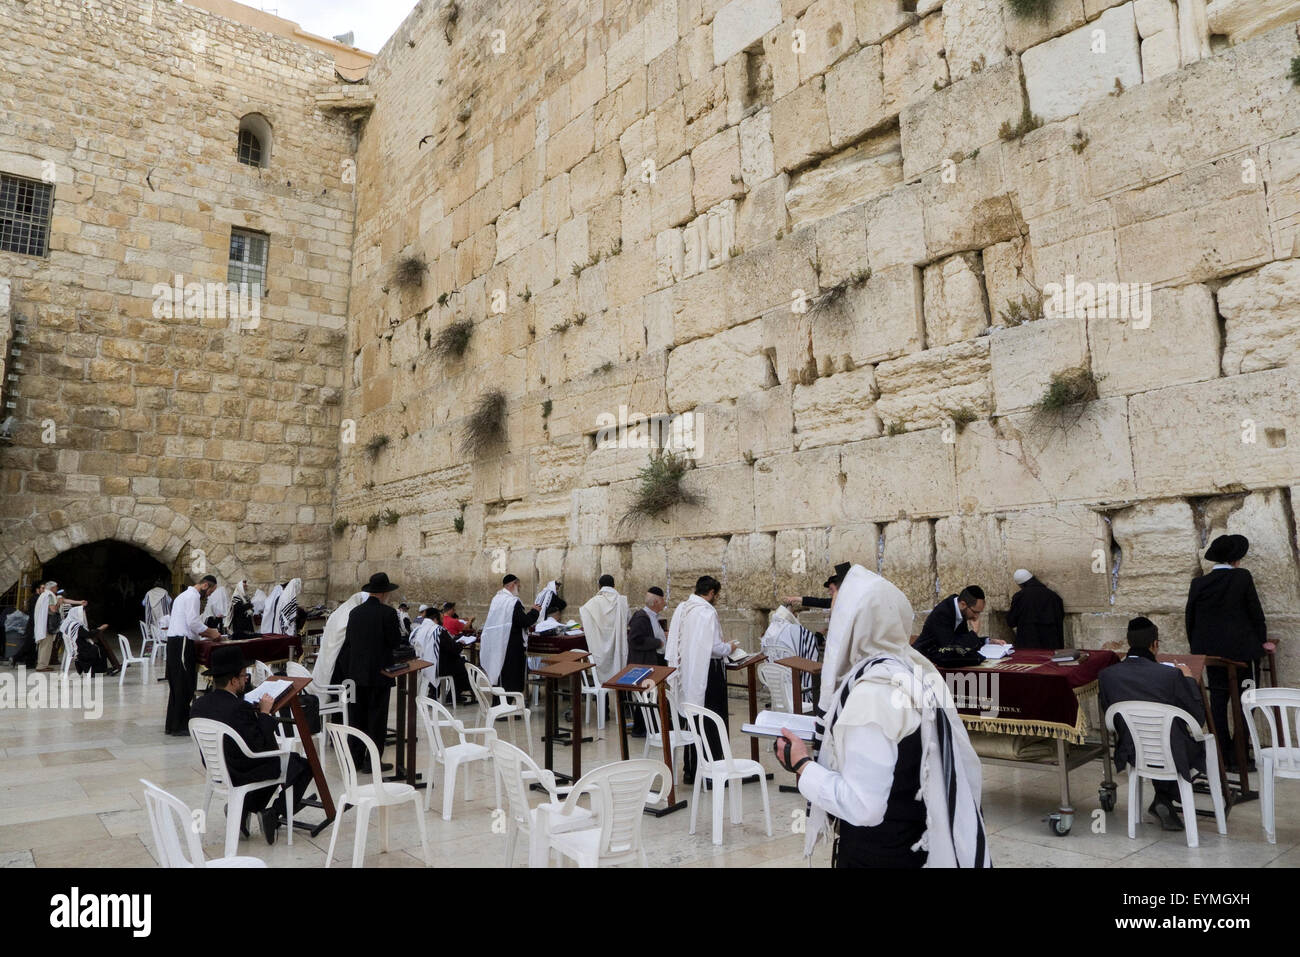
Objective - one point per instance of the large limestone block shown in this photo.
(1180, 345)
(1028, 458)
(855, 542)
(1025, 359)
(1078, 242)
(846, 179)
(877, 20)
(1064, 74)
(836, 409)
(975, 36)
(842, 247)
(855, 96)
(1242, 19)
(1161, 55)
(765, 422)
(924, 390)
(969, 551)
(1059, 17)
(1218, 435)
(766, 277)
(970, 207)
(899, 476)
(719, 367)
(542, 521)
(960, 118)
(829, 32)
(1008, 277)
(800, 130)
(1157, 543)
(749, 570)
(740, 24)
(913, 63)
(1155, 16)
(761, 215)
(1199, 225)
(1045, 169)
(1266, 519)
(798, 489)
(649, 569)
(1283, 178)
(1060, 546)
(907, 560)
(716, 163)
(955, 308)
(688, 559)
(757, 160)
(801, 557)
(896, 229)
(671, 195)
(1262, 324)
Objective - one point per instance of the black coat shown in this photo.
(1038, 616)
(643, 647)
(942, 628)
(1142, 679)
(1224, 616)
(256, 729)
(373, 633)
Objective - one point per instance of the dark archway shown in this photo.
(113, 576)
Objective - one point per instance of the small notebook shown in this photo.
(992, 652)
(635, 676)
(739, 654)
(274, 688)
(768, 724)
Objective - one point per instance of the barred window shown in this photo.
(25, 215)
(250, 149)
(248, 258)
(254, 146)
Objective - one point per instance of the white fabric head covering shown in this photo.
(218, 602)
(157, 605)
(259, 602)
(425, 639)
(240, 597)
(1022, 575)
(270, 610)
(496, 633)
(286, 615)
(692, 634)
(782, 633)
(604, 622)
(544, 597)
(73, 621)
(331, 640)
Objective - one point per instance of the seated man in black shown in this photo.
(257, 729)
(955, 621)
(450, 662)
(1139, 677)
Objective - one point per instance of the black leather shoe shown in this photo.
(1166, 815)
(270, 824)
(385, 766)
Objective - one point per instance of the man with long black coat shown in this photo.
(373, 634)
(1037, 614)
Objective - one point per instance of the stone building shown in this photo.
(927, 285)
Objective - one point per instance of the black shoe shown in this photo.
(636, 734)
(243, 825)
(1164, 813)
(270, 824)
(385, 766)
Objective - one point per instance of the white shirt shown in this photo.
(185, 621)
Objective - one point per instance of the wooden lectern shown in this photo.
(798, 668)
(552, 671)
(291, 699)
(404, 769)
(750, 664)
(667, 722)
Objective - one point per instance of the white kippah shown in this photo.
(1021, 576)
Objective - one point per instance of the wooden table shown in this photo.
(552, 673)
(404, 766)
(750, 665)
(291, 699)
(658, 675)
(798, 667)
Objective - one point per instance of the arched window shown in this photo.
(254, 141)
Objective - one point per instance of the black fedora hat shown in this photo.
(226, 660)
(1227, 549)
(379, 584)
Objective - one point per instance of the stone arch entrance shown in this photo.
(113, 576)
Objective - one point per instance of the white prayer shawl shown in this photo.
(424, 639)
(786, 638)
(259, 602)
(218, 603)
(331, 640)
(286, 613)
(604, 622)
(692, 633)
(41, 616)
(877, 679)
(495, 636)
(270, 610)
(240, 597)
(157, 605)
(545, 597)
(404, 622)
(73, 622)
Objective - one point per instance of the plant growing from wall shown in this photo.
(1072, 387)
(1030, 8)
(1295, 70)
(390, 517)
(375, 444)
(458, 523)
(962, 417)
(659, 487)
(897, 427)
(832, 297)
(485, 427)
(453, 341)
(372, 522)
(409, 272)
(1025, 309)
(443, 298)
(340, 526)
(1029, 121)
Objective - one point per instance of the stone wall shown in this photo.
(807, 223)
(181, 435)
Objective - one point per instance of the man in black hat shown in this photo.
(1224, 618)
(1140, 677)
(256, 728)
(645, 642)
(831, 584)
(373, 634)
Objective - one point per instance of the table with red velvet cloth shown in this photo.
(262, 648)
(554, 642)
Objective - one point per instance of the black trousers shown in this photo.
(715, 699)
(1220, 699)
(182, 681)
(297, 778)
(370, 714)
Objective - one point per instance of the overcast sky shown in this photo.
(373, 21)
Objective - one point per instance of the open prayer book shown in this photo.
(738, 654)
(768, 724)
(547, 626)
(274, 687)
(993, 652)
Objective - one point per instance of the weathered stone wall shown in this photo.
(649, 190)
(168, 431)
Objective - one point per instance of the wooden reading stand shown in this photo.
(750, 665)
(658, 675)
(404, 766)
(552, 670)
(291, 699)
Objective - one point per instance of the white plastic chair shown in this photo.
(333, 700)
(1281, 759)
(379, 794)
(129, 659)
(169, 818)
(776, 679)
(261, 672)
(513, 704)
(724, 772)
(516, 771)
(435, 718)
(69, 652)
(1149, 724)
(678, 737)
(210, 736)
(592, 691)
(619, 795)
(148, 643)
